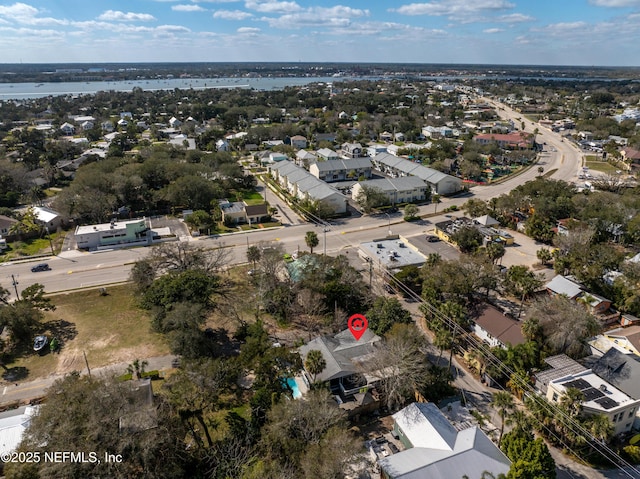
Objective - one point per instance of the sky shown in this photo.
(510, 32)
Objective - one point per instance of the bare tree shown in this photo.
(400, 365)
(181, 256)
(311, 308)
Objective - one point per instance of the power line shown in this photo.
(600, 447)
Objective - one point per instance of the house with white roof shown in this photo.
(13, 424)
(48, 218)
(439, 182)
(222, 145)
(600, 397)
(435, 449)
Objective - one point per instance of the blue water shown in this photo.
(294, 387)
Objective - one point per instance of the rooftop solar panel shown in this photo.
(607, 403)
(580, 384)
(592, 393)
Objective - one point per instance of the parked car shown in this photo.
(432, 238)
(40, 267)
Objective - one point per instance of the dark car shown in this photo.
(432, 239)
(40, 267)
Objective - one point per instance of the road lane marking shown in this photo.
(4, 391)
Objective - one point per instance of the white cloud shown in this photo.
(453, 8)
(187, 8)
(248, 30)
(118, 16)
(27, 15)
(332, 17)
(515, 18)
(615, 3)
(272, 6)
(493, 30)
(232, 14)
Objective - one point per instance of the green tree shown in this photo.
(370, 197)
(468, 239)
(137, 368)
(530, 458)
(544, 255)
(311, 239)
(495, 251)
(384, 313)
(435, 199)
(411, 212)
(314, 363)
(100, 414)
(521, 282)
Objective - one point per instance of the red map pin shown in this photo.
(358, 324)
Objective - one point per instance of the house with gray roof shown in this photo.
(561, 285)
(303, 185)
(435, 449)
(408, 189)
(395, 166)
(345, 358)
(327, 154)
(341, 170)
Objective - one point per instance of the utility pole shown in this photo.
(324, 232)
(50, 242)
(14, 281)
(370, 273)
(86, 362)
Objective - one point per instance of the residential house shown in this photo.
(341, 170)
(594, 303)
(563, 286)
(439, 182)
(107, 126)
(435, 449)
(275, 156)
(352, 150)
(408, 189)
(239, 212)
(623, 371)
(86, 125)
(496, 328)
(346, 362)
(298, 141)
(600, 398)
(222, 145)
(174, 122)
(303, 185)
(385, 136)
(630, 157)
(5, 225)
(625, 340)
(304, 158)
(330, 137)
(13, 424)
(518, 139)
(436, 132)
(374, 149)
(122, 123)
(326, 154)
(50, 219)
(67, 128)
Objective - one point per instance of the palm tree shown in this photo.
(520, 420)
(600, 427)
(137, 367)
(571, 401)
(314, 363)
(504, 403)
(311, 238)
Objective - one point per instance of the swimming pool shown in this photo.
(291, 382)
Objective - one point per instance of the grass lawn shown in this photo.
(252, 198)
(109, 329)
(21, 249)
(602, 166)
